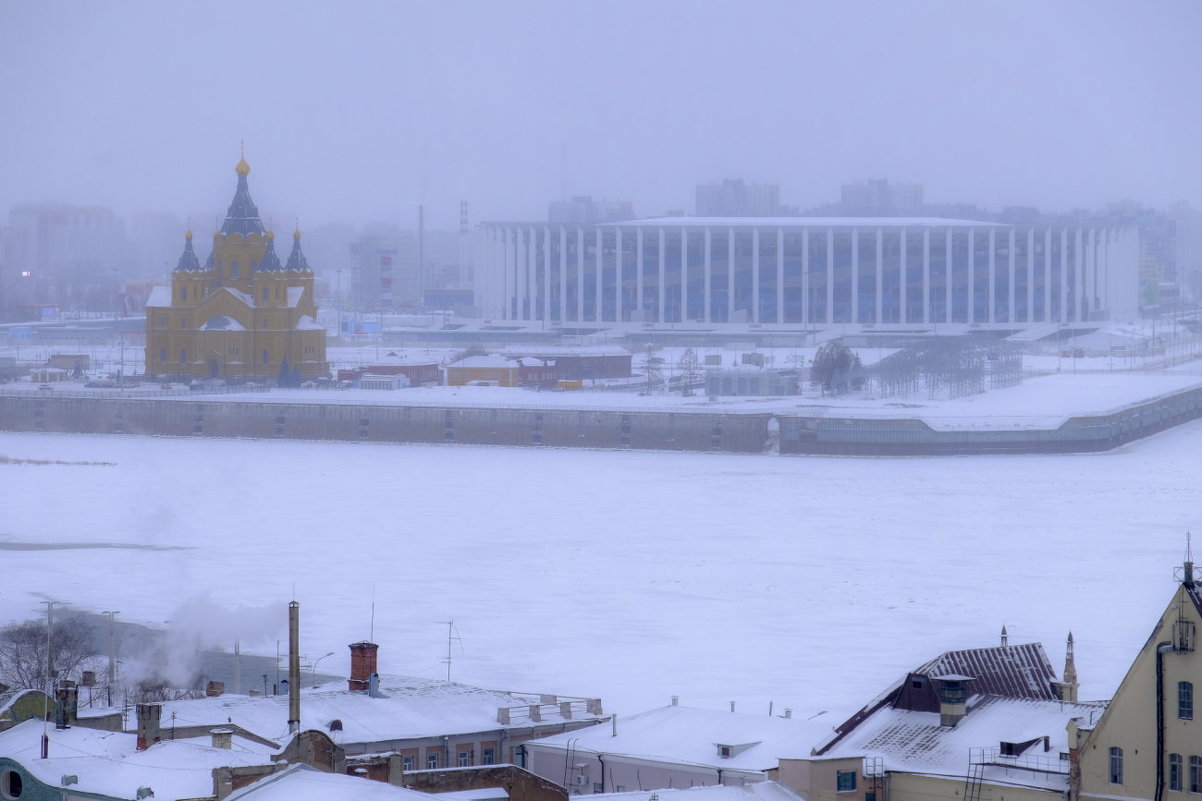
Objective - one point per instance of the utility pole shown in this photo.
(112, 677)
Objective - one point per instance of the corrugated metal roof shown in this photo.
(1011, 671)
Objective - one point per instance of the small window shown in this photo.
(266, 356)
(1116, 766)
(235, 270)
(621, 788)
(183, 355)
(183, 293)
(465, 759)
(431, 761)
(265, 291)
(1185, 700)
(162, 354)
(597, 788)
(488, 756)
(11, 784)
(845, 781)
(407, 762)
(1195, 774)
(1175, 772)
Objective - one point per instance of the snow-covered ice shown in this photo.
(634, 576)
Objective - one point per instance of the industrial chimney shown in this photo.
(293, 667)
(148, 725)
(363, 665)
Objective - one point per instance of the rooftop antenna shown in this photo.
(1187, 568)
(452, 635)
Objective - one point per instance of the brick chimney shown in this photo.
(148, 725)
(363, 665)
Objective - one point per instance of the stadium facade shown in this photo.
(807, 270)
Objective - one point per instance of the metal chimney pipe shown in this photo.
(293, 667)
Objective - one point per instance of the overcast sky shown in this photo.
(358, 111)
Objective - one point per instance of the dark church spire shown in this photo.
(296, 259)
(270, 262)
(243, 216)
(187, 260)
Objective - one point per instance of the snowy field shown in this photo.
(808, 582)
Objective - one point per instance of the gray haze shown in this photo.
(359, 111)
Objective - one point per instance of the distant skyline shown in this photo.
(359, 112)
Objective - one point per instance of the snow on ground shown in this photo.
(808, 582)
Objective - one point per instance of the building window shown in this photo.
(183, 322)
(1116, 766)
(1195, 774)
(1185, 700)
(162, 321)
(845, 781)
(266, 356)
(265, 291)
(431, 761)
(183, 293)
(597, 788)
(407, 762)
(1175, 771)
(183, 355)
(162, 354)
(233, 350)
(235, 270)
(488, 756)
(465, 759)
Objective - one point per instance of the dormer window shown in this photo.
(728, 750)
(724, 751)
(952, 691)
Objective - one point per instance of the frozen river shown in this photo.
(808, 582)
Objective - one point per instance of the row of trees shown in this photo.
(24, 659)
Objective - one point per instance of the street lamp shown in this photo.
(313, 670)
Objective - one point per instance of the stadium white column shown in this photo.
(730, 275)
(855, 275)
(902, 276)
(663, 278)
(521, 269)
(805, 278)
(1013, 244)
(579, 273)
(830, 276)
(947, 269)
(597, 305)
(970, 313)
(618, 278)
(1078, 278)
(684, 274)
(546, 276)
(1063, 275)
(992, 315)
(638, 287)
(1031, 276)
(926, 275)
(705, 296)
(1047, 275)
(755, 275)
(563, 273)
(780, 278)
(880, 276)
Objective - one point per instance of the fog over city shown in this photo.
(361, 111)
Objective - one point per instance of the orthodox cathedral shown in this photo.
(245, 314)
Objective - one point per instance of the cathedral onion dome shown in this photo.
(187, 260)
(243, 216)
(270, 262)
(296, 259)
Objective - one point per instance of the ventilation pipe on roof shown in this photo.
(614, 720)
(676, 700)
(732, 706)
(788, 712)
(293, 667)
(1005, 637)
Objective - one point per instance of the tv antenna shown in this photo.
(452, 635)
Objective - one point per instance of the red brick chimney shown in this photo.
(148, 725)
(363, 664)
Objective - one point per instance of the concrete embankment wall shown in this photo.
(565, 428)
(574, 428)
(912, 437)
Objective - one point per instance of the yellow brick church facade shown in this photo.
(244, 314)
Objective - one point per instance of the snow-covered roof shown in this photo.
(303, 783)
(755, 791)
(295, 293)
(806, 222)
(307, 323)
(686, 735)
(916, 742)
(564, 350)
(159, 296)
(409, 708)
(109, 763)
(492, 360)
(222, 322)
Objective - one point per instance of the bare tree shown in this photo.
(23, 658)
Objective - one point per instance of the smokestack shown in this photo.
(293, 667)
(148, 725)
(363, 665)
